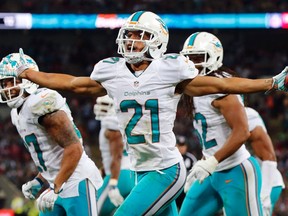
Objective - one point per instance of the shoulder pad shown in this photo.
(106, 69)
(46, 101)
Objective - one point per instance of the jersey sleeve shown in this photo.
(175, 68)
(103, 70)
(187, 69)
(46, 101)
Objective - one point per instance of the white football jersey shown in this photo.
(254, 119)
(45, 152)
(213, 131)
(146, 106)
(111, 123)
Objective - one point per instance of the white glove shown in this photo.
(47, 199)
(21, 65)
(30, 189)
(189, 183)
(279, 81)
(266, 204)
(114, 193)
(202, 169)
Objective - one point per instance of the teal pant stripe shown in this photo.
(167, 190)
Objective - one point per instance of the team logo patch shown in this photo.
(136, 84)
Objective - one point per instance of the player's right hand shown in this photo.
(114, 193)
(266, 204)
(30, 189)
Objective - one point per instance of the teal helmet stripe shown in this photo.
(192, 39)
(137, 16)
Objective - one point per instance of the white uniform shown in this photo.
(254, 120)
(213, 130)
(110, 122)
(235, 182)
(146, 107)
(45, 152)
(145, 104)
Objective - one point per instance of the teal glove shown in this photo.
(279, 81)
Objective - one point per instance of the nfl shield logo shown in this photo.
(136, 84)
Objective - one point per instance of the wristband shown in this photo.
(40, 181)
(113, 182)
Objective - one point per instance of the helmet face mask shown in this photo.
(13, 94)
(103, 107)
(11, 91)
(153, 35)
(208, 45)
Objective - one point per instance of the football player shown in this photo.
(145, 86)
(232, 178)
(272, 181)
(44, 122)
(118, 180)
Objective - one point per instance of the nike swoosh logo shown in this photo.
(228, 181)
(43, 96)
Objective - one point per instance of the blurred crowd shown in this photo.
(161, 6)
(252, 53)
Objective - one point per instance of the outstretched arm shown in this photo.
(202, 85)
(58, 81)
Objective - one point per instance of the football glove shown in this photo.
(189, 182)
(202, 169)
(266, 204)
(30, 189)
(279, 81)
(114, 193)
(47, 199)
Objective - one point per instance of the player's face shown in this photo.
(197, 59)
(11, 85)
(135, 42)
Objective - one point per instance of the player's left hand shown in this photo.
(189, 182)
(279, 81)
(202, 169)
(46, 200)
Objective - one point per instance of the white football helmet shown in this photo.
(103, 107)
(207, 44)
(147, 22)
(13, 95)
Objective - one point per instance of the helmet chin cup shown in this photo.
(16, 103)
